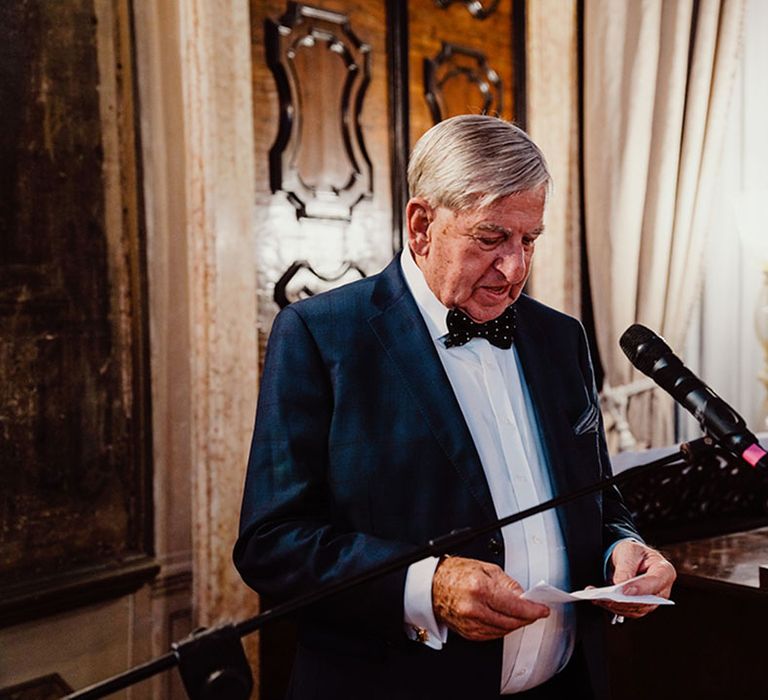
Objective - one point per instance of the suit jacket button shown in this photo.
(495, 546)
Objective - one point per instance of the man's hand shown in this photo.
(631, 559)
(479, 601)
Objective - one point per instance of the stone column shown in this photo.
(219, 179)
(194, 67)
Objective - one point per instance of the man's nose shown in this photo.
(511, 263)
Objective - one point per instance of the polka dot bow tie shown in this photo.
(499, 331)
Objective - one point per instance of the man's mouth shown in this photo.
(498, 291)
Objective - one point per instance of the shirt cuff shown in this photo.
(420, 623)
(607, 570)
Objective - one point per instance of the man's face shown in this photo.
(477, 260)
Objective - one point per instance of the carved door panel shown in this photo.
(466, 56)
(321, 125)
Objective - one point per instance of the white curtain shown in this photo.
(722, 346)
(657, 83)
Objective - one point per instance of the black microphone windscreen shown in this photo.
(643, 347)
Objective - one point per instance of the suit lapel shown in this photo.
(533, 348)
(402, 331)
(580, 520)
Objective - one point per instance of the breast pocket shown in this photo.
(588, 421)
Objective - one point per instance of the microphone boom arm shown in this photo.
(186, 653)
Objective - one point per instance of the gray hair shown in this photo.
(471, 161)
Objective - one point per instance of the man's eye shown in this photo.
(489, 242)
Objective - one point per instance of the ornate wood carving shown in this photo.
(710, 497)
(300, 281)
(459, 80)
(75, 491)
(322, 71)
(476, 8)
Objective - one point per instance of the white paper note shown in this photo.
(542, 592)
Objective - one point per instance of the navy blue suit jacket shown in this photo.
(360, 452)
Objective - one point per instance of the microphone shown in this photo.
(653, 357)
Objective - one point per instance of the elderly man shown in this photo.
(434, 396)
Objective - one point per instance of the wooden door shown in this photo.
(341, 90)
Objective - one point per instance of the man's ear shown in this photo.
(418, 217)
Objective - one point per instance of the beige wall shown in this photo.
(80, 646)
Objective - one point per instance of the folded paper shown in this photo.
(542, 592)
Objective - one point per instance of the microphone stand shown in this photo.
(212, 663)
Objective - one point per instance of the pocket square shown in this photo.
(588, 420)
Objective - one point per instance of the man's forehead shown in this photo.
(507, 214)
(524, 201)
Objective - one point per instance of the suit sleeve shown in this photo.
(292, 539)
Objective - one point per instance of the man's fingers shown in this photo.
(506, 600)
(517, 608)
(621, 575)
(648, 584)
(626, 609)
(511, 617)
(631, 559)
(479, 630)
(479, 601)
(657, 580)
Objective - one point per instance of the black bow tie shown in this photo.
(499, 331)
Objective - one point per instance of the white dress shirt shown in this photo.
(490, 388)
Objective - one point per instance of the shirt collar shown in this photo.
(430, 307)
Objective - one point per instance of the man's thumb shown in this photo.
(625, 571)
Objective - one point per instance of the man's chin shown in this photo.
(483, 314)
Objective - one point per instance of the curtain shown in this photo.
(657, 82)
(734, 277)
